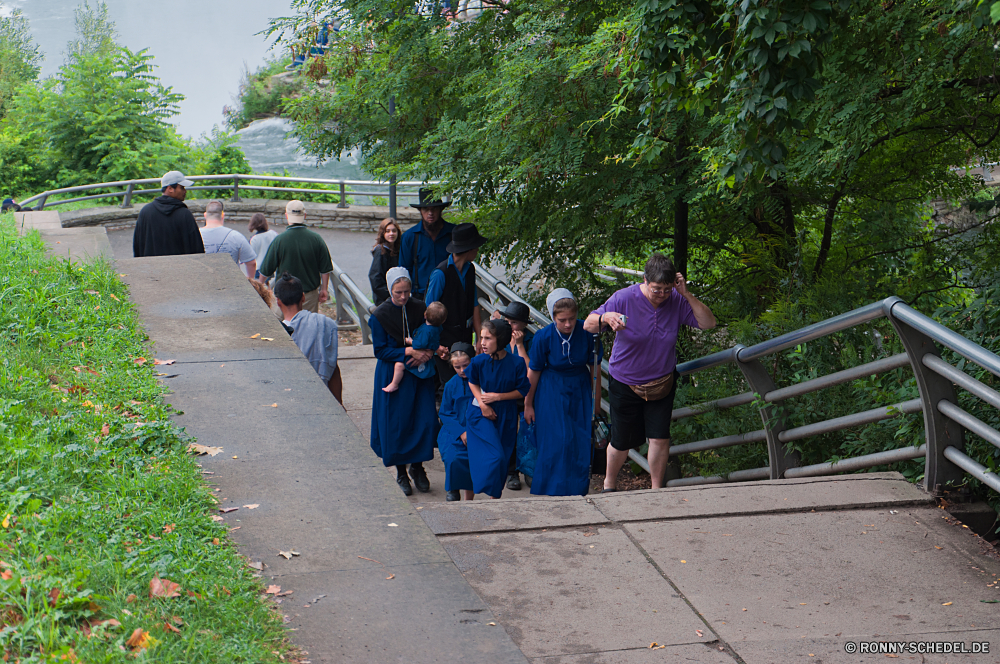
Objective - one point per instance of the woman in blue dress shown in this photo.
(561, 402)
(452, 437)
(404, 422)
(497, 380)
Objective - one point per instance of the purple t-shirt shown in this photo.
(646, 349)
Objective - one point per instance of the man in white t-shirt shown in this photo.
(219, 239)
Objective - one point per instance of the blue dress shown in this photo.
(425, 337)
(491, 442)
(404, 422)
(454, 409)
(564, 407)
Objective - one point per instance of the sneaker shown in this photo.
(452, 496)
(404, 483)
(514, 482)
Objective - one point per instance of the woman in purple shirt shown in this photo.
(646, 318)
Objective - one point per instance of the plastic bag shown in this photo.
(527, 449)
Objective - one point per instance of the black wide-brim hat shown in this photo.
(427, 200)
(517, 311)
(465, 237)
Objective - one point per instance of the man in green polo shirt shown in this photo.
(303, 254)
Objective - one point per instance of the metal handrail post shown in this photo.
(392, 197)
(41, 202)
(341, 309)
(343, 196)
(236, 189)
(939, 431)
(127, 203)
(779, 456)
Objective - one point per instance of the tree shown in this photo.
(19, 56)
(95, 31)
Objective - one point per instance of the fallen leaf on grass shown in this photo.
(215, 541)
(140, 640)
(257, 566)
(177, 619)
(287, 555)
(164, 362)
(227, 510)
(204, 449)
(251, 507)
(139, 361)
(272, 590)
(191, 593)
(130, 599)
(105, 430)
(112, 296)
(171, 628)
(54, 596)
(169, 528)
(6, 575)
(216, 517)
(6, 521)
(163, 588)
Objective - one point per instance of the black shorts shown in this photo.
(634, 419)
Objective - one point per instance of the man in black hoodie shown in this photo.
(166, 226)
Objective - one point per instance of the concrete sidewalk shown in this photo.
(756, 572)
(321, 490)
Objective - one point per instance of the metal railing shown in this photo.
(234, 182)
(352, 304)
(945, 422)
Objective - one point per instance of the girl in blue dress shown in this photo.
(497, 380)
(562, 355)
(452, 437)
(404, 422)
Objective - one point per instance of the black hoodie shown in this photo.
(166, 227)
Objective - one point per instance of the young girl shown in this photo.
(452, 437)
(497, 380)
(561, 390)
(385, 255)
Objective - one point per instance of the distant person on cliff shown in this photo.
(385, 255)
(166, 226)
(425, 245)
(303, 254)
(314, 334)
(10, 205)
(219, 239)
(261, 238)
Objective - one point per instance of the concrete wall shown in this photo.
(324, 215)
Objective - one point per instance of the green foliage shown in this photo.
(19, 56)
(91, 471)
(95, 31)
(261, 94)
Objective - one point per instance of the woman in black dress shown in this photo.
(385, 255)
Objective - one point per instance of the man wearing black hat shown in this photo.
(453, 284)
(425, 245)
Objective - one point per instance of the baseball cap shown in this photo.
(296, 211)
(175, 177)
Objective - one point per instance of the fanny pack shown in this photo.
(655, 389)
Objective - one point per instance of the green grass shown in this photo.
(97, 491)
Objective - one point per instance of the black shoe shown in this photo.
(420, 479)
(404, 483)
(527, 480)
(453, 496)
(514, 482)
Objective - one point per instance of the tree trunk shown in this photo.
(681, 212)
(824, 246)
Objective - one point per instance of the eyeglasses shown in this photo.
(660, 291)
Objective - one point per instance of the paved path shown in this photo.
(747, 573)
